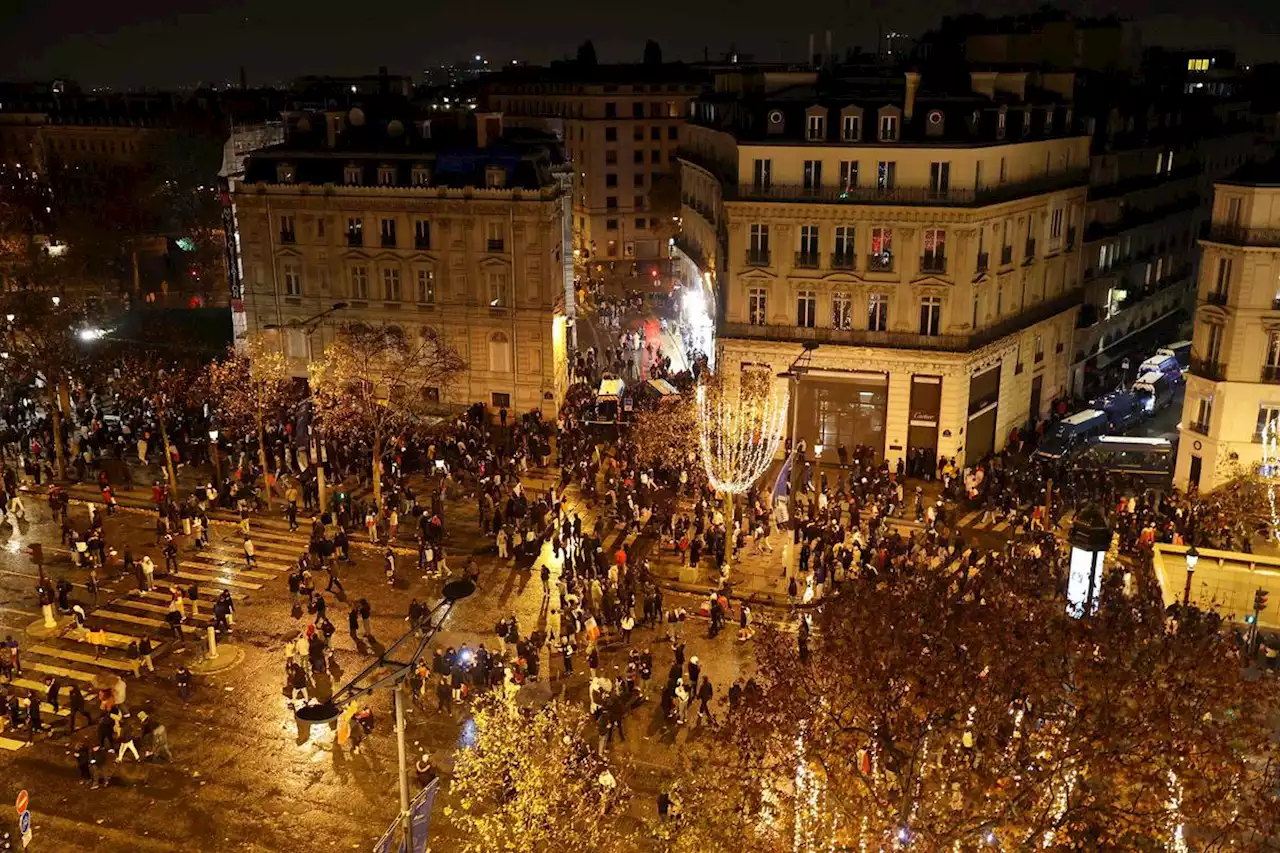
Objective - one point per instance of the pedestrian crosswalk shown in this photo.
(978, 520)
(136, 614)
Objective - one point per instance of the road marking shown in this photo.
(226, 569)
(12, 745)
(90, 660)
(130, 618)
(218, 580)
(50, 669)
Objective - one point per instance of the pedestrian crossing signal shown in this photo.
(1251, 619)
(1260, 600)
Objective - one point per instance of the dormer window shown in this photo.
(1002, 122)
(421, 175)
(351, 174)
(495, 177)
(386, 176)
(815, 127)
(1026, 122)
(285, 173)
(888, 128)
(851, 127)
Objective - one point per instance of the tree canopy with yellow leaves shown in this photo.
(532, 783)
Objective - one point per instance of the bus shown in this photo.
(1150, 459)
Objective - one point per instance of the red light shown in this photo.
(653, 273)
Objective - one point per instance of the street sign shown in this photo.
(24, 822)
(23, 800)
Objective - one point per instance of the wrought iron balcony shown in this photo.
(908, 340)
(1271, 374)
(758, 258)
(1029, 252)
(496, 245)
(1241, 236)
(288, 237)
(984, 261)
(1216, 297)
(1006, 256)
(949, 196)
(882, 262)
(1215, 371)
(807, 260)
(933, 262)
(843, 260)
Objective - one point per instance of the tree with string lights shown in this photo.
(739, 432)
(372, 384)
(251, 386)
(968, 711)
(531, 781)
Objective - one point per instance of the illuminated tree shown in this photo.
(968, 711)
(373, 383)
(531, 782)
(251, 387)
(739, 435)
(41, 343)
(667, 432)
(162, 388)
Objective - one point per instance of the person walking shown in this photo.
(249, 559)
(128, 738)
(183, 678)
(365, 612)
(148, 574)
(144, 654)
(76, 706)
(704, 699)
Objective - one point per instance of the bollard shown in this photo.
(49, 620)
(213, 644)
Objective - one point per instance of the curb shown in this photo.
(228, 657)
(38, 630)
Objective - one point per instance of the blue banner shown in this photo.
(420, 811)
(782, 486)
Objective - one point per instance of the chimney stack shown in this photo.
(909, 99)
(809, 59)
(828, 58)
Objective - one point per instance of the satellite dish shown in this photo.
(356, 117)
(304, 125)
(395, 128)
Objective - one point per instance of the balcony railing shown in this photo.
(288, 237)
(1216, 297)
(984, 261)
(758, 258)
(496, 245)
(843, 260)
(1029, 252)
(1215, 371)
(1241, 236)
(882, 262)
(1071, 237)
(421, 243)
(933, 263)
(908, 340)
(388, 241)
(1275, 304)
(1271, 373)
(1199, 426)
(1006, 256)
(355, 239)
(807, 260)
(951, 196)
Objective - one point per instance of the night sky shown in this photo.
(166, 43)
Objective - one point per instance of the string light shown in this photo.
(739, 438)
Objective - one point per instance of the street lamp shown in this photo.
(1193, 557)
(57, 300)
(217, 469)
(326, 712)
(1090, 539)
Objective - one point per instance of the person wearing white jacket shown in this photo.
(148, 573)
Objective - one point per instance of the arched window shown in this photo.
(499, 353)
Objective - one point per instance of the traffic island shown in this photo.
(40, 630)
(228, 657)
